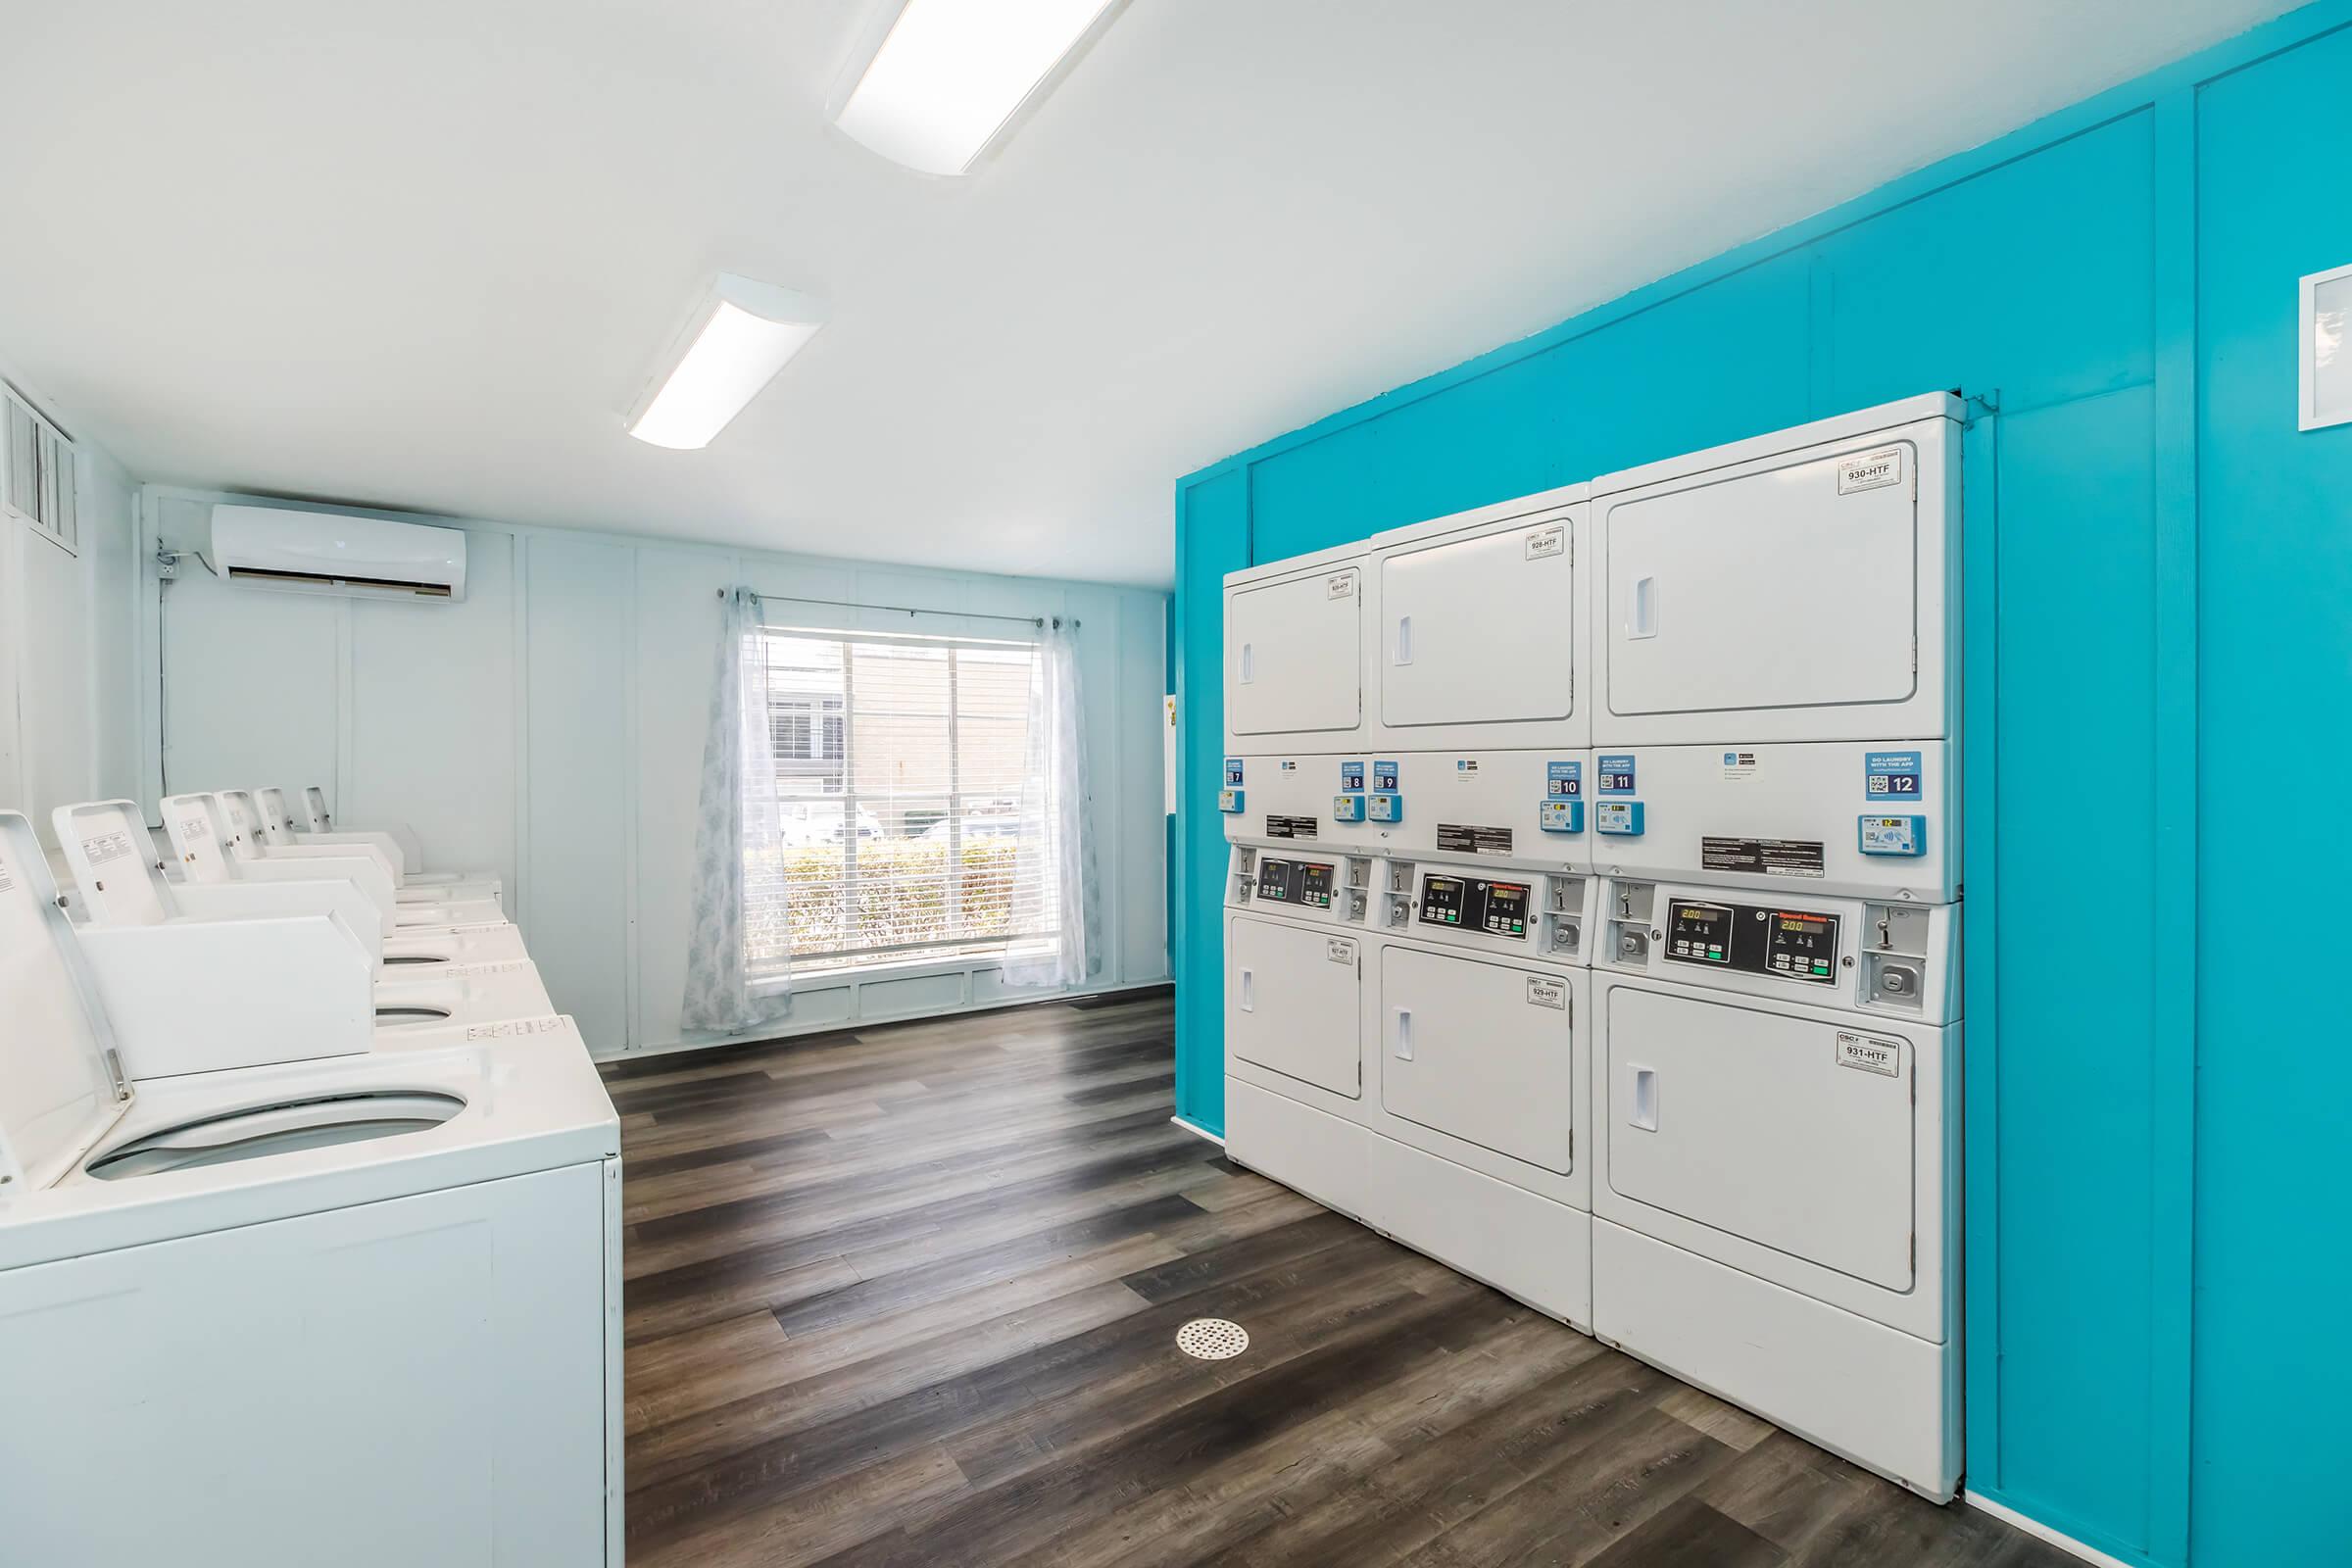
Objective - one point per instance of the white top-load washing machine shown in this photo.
(278, 826)
(207, 846)
(365, 1309)
(273, 835)
(206, 959)
(317, 818)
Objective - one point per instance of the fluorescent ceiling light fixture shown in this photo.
(737, 339)
(952, 73)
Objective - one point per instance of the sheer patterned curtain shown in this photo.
(735, 836)
(1058, 835)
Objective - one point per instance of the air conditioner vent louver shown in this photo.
(321, 551)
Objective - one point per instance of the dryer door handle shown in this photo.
(1249, 991)
(1644, 621)
(1643, 1113)
(1404, 1034)
(1405, 641)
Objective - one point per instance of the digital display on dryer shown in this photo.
(1785, 944)
(1307, 883)
(1474, 904)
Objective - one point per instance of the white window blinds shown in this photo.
(907, 790)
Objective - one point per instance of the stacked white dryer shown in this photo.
(1301, 882)
(1591, 922)
(1430, 1076)
(1777, 991)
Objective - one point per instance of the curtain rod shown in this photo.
(1038, 621)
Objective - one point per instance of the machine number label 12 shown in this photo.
(1891, 775)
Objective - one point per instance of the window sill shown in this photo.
(897, 969)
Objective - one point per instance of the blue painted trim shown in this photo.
(2173, 1058)
(2117, 103)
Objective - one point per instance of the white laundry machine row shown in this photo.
(1777, 1202)
(278, 827)
(372, 1300)
(271, 833)
(316, 819)
(207, 845)
(1402, 1041)
(201, 975)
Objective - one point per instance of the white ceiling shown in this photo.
(421, 255)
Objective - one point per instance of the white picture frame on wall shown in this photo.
(2323, 350)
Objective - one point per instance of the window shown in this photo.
(38, 463)
(908, 819)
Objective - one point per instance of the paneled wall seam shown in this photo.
(2173, 1151)
(630, 979)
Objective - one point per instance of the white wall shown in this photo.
(69, 715)
(551, 727)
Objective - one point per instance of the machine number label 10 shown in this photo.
(1892, 775)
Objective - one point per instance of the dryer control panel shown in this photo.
(1302, 884)
(1305, 883)
(1790, 944)
(1474, 904)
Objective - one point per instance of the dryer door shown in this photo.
(1290, 1003)
(1784, 589)
(1479, 630)
(1293, 655)
(1481, 1051)
(1787, 1131)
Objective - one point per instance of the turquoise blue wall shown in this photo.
(2159, 592)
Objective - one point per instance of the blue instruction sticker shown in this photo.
(1351, 774)
(1384, 776)
(1891, 775)
(1233, 772)
(1564, 781)
(1617, 775)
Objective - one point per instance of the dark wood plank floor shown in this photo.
(908, 1296)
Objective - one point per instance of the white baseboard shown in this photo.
(1197, 1131)
(2034, 1527)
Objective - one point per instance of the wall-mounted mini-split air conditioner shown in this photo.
(327, 552)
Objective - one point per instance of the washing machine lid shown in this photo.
(114, 862)
(61, 1084)
(198, 828)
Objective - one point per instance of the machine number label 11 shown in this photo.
(1617, 775)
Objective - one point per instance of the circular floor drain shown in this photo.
(1213, 1339)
